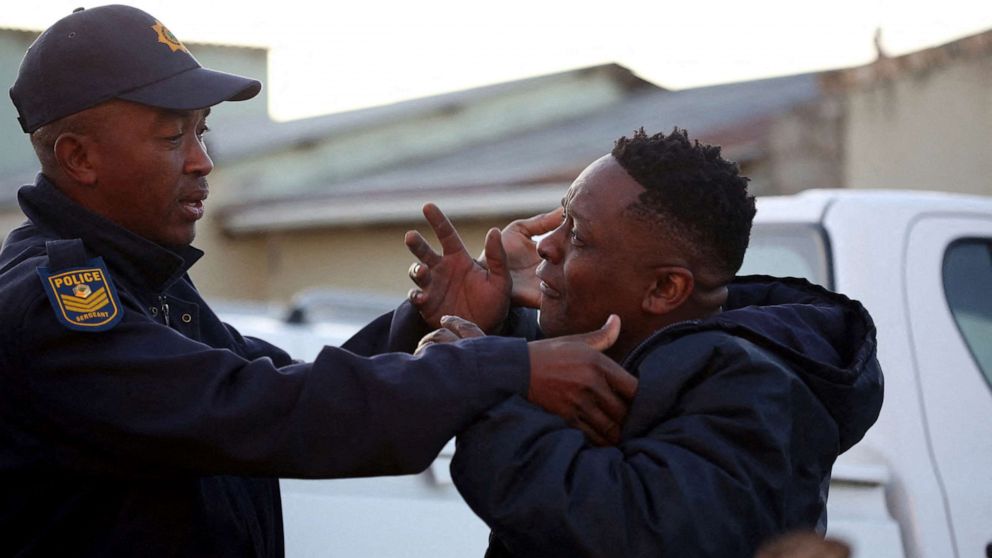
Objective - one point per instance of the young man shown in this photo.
(749, 387)
(132, 421)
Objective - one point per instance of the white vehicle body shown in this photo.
(919, 485)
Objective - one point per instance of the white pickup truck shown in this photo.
(918, 486)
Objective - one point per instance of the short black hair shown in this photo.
(43, 139)
(697, 198)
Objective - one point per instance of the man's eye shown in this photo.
(574, 237)
(202, 131)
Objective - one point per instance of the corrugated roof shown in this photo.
(530, 168)
(556, 151)
(249, 138)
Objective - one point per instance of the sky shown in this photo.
(332, 56)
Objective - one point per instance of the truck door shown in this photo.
(949, 288)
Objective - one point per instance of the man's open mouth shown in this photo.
(193, 204)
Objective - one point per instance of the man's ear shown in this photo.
(671, 287)
(75, 156)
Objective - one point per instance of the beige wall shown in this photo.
(805, 148)
(274, 267)
(929, 129)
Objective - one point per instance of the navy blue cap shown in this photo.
(115, 52)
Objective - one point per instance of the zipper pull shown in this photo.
(165, 308)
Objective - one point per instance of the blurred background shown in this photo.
(490, 110)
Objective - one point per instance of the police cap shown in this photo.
(115, 52)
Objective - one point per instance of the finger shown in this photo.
(539, 224)
(420, 274)
(591, 434)
(424, 343)
(461, 327)
(611, 404)
(441, 335)
(526, 297)
(420, 248)
(435, 337)
(621, 382)
(495, 254)
(416, 297)
(446, 233)
(604, 337)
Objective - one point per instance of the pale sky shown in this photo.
(332, 56)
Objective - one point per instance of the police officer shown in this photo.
(132, 421)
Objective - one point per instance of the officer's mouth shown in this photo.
(192, 204)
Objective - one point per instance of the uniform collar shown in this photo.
(139, 260)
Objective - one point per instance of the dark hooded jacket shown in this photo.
(730, 440)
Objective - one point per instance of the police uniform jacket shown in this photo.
(730, 439)
(134, 422)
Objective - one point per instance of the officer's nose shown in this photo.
(197, 160)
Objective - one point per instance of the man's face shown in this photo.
(151, 166)
(599, 260)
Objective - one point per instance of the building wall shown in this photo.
(15, 151)
(274, 266)
(246, 61)
(805, 148)
(928, 129)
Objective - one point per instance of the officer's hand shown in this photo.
(452, 329)
(454, 283)
(570, 377)
(522, 259)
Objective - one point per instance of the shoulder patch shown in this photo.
(83, 297)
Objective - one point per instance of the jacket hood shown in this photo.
(828, 339)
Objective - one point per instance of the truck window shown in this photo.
(967, 274)
(788, 250)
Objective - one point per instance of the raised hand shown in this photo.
(452, 283)
(570, 377)
(522, 258)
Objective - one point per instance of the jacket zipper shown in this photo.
(165, 308)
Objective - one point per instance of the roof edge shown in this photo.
(394, 209)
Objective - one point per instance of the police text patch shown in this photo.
(84, 298)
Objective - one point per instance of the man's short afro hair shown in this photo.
(697, 198)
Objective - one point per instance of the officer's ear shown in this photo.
(671, 287)
(74, 154)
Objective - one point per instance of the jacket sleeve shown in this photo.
(701, 470)
(402, 329)
(143, 397)
(396, 331)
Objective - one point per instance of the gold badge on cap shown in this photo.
(167, 38)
